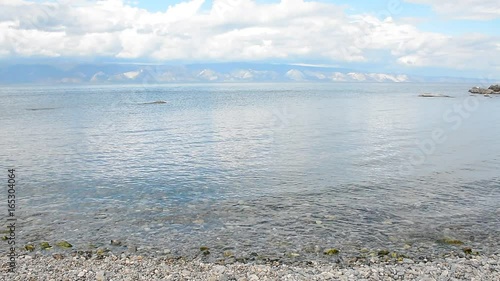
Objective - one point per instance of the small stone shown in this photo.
(467, 250)
(58, 256)
(116, 243)
(81, 274)
(100, 276)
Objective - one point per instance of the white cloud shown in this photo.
(465, 9)
(291, 30)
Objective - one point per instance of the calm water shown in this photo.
(266, 168)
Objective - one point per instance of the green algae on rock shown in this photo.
(204, 248)
(450, 241)
(45, 246)
(64, 244)
(382, 253)
(101, 251)
(29, 247)
(331, 252)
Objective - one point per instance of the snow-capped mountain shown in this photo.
(206, 73)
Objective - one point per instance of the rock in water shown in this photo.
(430, 95)
(64, 244)
(495, 88)
(481, 91)
(156, 102)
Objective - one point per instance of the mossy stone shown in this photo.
(64, 244)
(45, 246)
(228, 254)
(101, 251)
(331, 252)
(29, 247)
(204, 248)
(382, 253)
(450, 241)
(5, 238)
(206, 253)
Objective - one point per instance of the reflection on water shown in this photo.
(254, 167)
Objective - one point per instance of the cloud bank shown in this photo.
(465, 9)
(241, 30)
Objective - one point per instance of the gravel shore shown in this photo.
(124, 267)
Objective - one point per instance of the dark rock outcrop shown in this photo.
(493, 89)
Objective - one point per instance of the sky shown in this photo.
(446, 37)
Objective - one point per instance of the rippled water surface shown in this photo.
(271, 169)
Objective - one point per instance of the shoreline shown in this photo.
(134, 267)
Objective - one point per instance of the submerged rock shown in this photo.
(467, 250)
(382, 253)
(331, 252)
(228, 254)
(156, 102)
(430, 95)
(116, 242)
(450, 241)
(45, 246)
(64, 244)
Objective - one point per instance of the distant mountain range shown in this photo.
(196, 73)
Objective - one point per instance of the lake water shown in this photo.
(266, 169)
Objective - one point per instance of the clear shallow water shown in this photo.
(265, 168)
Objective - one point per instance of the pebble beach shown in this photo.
(74, 266)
